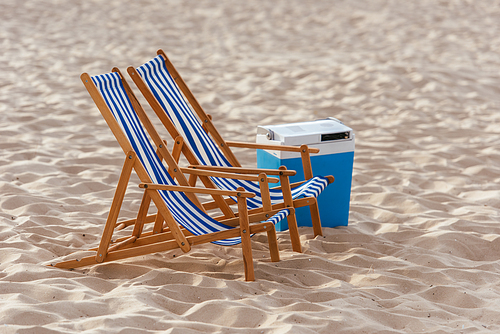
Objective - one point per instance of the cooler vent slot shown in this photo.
(335, 136)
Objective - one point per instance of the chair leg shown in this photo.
(293, 228)
(107, 234)
(245, 238)
(267, 206)
(316, 221)
(306, 165)
(273, 244)
(292, 219)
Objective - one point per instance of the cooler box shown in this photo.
(336, 157)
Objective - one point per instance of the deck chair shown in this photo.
(196, 137)
(180, 221)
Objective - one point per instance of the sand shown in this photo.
(419, 83)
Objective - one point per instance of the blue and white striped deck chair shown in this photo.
(127, 120)
(168, 95)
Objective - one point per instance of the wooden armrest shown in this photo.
(226, 175)
(242, 170)
(198, 190)
(271, 147)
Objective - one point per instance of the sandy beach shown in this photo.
(419, 82)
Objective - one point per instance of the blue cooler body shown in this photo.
(336, 157)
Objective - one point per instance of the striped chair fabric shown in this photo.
(167, 93)
(183, 210)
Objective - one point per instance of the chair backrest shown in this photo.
(159, 80)
(185, 212)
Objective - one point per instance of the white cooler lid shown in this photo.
(312, 132)
(329, 135)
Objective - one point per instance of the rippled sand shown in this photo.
(418, 82)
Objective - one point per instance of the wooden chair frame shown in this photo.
(224, 146)
(166, 233)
